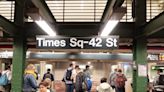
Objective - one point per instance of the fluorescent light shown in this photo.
(109, 27)
(42, 24)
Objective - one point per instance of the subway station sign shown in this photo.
(51, 42)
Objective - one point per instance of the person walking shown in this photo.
(68, 79)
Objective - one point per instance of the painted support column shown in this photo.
(20, 47)
(139, 47)
(19, 58)
(140, 84)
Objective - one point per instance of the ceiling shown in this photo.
(83, 18)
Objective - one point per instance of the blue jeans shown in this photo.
(69, 88)
(122, 89)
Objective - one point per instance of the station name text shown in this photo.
(73, 42)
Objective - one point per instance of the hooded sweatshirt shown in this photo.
(103, 87)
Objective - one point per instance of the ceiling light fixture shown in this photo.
(109, 27)
(42, 24)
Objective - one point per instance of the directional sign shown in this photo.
(51, 42)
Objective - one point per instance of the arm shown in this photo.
(32, 81)
(52, 77)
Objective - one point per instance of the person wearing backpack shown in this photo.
(120, 81)
(68, 80)
(88, 80)
(50, 76)
(81, 83)
(8, 73)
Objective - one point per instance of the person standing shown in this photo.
(88, 80)
(104, 86)
(112, 77)
(68, 79)
(50, 76)
(30, 84)
(9, 76)
(120, 81)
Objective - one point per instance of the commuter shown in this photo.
(158, 82)
(68, 78)
(8, 72)
(49, 86)
(43, 87)
(88, 80)
(1, 86)
(80, 84)
(156, 79)
(112, 77)
(30, 84)
(104, 86)
(87, 71)
(74, 73)
(50, 76)
(120, 81)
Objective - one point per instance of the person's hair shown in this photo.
(8, 67)
(119, 70)
(160, 70)
(30, 67)
(77, 66)
(44, 84)
(70, 64)
(87, 66)
(103, 80)
(48, 70)
(115, 69)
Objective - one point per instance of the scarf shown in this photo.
(31, 72)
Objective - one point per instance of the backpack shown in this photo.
(48, 75)
(89, 83)
(80, 84)
(120, 81)
(161, 80)
(68, 74)
(3, 80)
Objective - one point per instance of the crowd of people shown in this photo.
(78, 80)
(75, 80)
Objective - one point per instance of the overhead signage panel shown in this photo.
(51, 42)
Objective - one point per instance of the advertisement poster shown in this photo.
(142, 70)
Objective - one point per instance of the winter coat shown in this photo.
(30, 84)
(103, 87)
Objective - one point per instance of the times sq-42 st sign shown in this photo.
(51, 42)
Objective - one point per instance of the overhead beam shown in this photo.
(154, 26)
(9, 27)
(108, 10)
(44, 10)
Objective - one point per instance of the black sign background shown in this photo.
(109, 42)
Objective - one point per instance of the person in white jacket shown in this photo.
(8, 72)
(104, 86)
